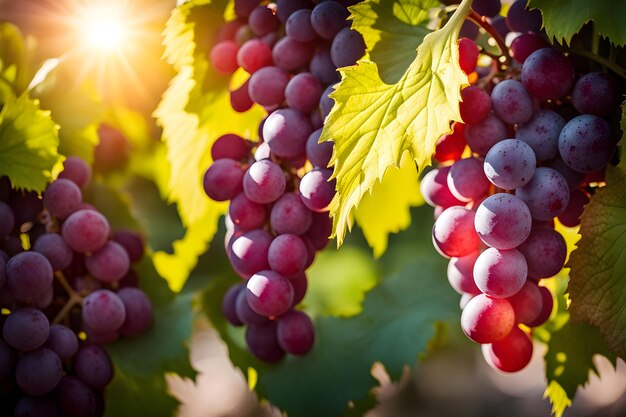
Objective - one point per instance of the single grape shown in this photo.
(132, 242)
(246, 214)
(264, 182)
(229, 146)
(328, 18)
(262, 21)
(224, 57)
(450, 146)
(62, 341)
(596, 93)
(461, 274)
(76, 170)
(290, 215)
(245, 314)
(326, 102)
(263, 343)
(503, 221)
(323, 68)
(248, 252)
(510, 164)
(295, 333)
(26, 329)
(546, 195)
(269, 293)
(475, 104)
(547, 305)
(489, 8)
(54, 248)
(316, 191)
(300, 285)
(541, 133)
(454, 234)
(545, 252)
(86, 231)
(240, 99)
(303, 92)
(320, 230)
(347, 48)
(469, 30)
(285, 8)
(527, 303)
(586, 143)
(229, 305)
(511, 102)
(254, 55)
(319, 154)
(468, 54)
(41, 406)
(38, 372)
(289, 54)
(286, 132)
(62, 198)
(109, 263)
(29, 275)
(525, 44)
(223, 180)
(75, 398)
(298, 26)
(103, 311)
(138, 309)
(520, 19)
(547, 74)
(500, 273)
(267, 86)
(93, 366)
(467, 180)
(287, 255)
(486, 319)
(243, 8)
(482, 136)
(435, 190)
(510, 354)
(574, 210)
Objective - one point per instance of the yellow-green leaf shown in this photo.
(373, 124)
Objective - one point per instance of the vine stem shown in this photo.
(482, 22)
(603, 61)
(74, 299)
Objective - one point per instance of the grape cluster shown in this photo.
(66, 288)
(278, 187)
(539, 140)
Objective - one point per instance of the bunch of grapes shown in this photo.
(66, 288)
(278, 187)
(539, 141)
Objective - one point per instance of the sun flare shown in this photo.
(102, 28)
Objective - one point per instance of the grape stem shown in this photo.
(601, 60)
(74, 299)
(482, 22)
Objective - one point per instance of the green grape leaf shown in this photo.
(598, 275)
(569, 360)
(399, 319)
(373, 124)
(139, 385)
(387, 208)
(562, 19)
(194, 112)
(392, 34)
(14, 61)
(28, 144)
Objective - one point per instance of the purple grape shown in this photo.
(223, 179)
(7, 219)
(511, 102)
(263, 21)
(298, 26)
(320, 230)
(574, 210)
(466, 179)
(489, 8)
(26, 329)
(86, 231)
(503, 221)
(520, 19)
(269, 293)
(262, 342)
(223, 57)
(545, 252)
(500, 273)
(303, 92)
(264, 182)
(103, 311)
(482, 136)
(38, 372)
(454, 234)
(248, 252)
(25, 205)
(290, 215)
(328, 18)
(525, 44)
(469, 30)
(435, 190)
(267, 86)
(62, 341)
(289, 54)
(316, 191)
(132, 243)
(573, 178)
(547, 305)
(62, 198)
(245, 314)
(510, 164)
(596, 93)
(527, 303)
(243, 8)
(299, 284)
(229, 146)
(76, 170)
(486, 319)
(101, 337)
(347, 48)
(326, 102)
(323, 68)
(285, 8)
(109, 263)
(75, 398)
(42, 406)
(461, 274)
(93, 366)
(229, 303)
(138, 310)
(546, 195)
(287, 255)
(28, 276)
(319, 154)
(246, 214)
(295, 333)
(586, 143)
(475, 104)
(54, 248)
(541, 133)
(240, 99)
(547, 74)
(286, 132)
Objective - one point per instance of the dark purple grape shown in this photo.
(323, 68)
(586, 143)
(75, 398)
(229, 305)
(223, 179)
(320, 230)
(62, 198)
(298, 26)
(264, 182)
(245, 314)
(326, 102)
(511, 102)
(328, 18)
(267, 86)
(547, 305)
(482, 136)
(545, 252)
(77, 170)
(42, 406)
(287, 255)
(574, 210)
(132, 243)
(246, 214)
(109, 263)
(285, 8)
(26, 329)
(86, 231)
(316, 190)
(103, 311)
(510, 164)
(596, 93)
(347, 48)
(263, 21)
(263, 343)
(489, 8)
(546, 195)
(286, 132)
(62, 341)
(101, 337)
(25, 205)
(229, 146)
(54, 248)
(289, 54)
(295, 333)
(547, 74)
(303, 92)
(520, 19)
(541, 133)
(38, 372)
(7, 219)
(29, 276)
(240, 99)
(93, 366)
(525, 44)
(248, 252)
(319, 154)
(138, 308)
(469, 30)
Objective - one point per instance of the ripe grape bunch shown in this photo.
(540, 136)
(278, 187)
(66, 289)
